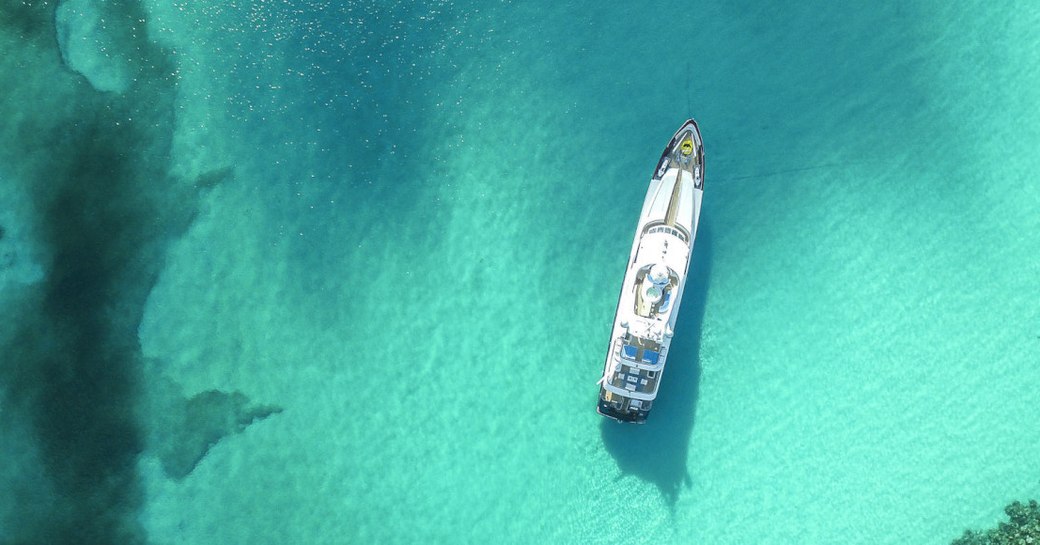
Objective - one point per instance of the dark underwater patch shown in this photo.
(95, 167)
(215, 177)
(186, 428)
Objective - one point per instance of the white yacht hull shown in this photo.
(651, 293)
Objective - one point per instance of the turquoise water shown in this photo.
(405, 226)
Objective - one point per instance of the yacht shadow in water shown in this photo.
(656, 451)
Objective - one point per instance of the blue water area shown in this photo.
(344, 272)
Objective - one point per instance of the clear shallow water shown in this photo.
(418, 249)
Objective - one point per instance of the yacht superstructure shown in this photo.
(655, 279)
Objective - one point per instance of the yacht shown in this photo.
(655, 279)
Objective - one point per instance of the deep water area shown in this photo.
(344, 272)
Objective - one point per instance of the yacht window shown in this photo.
(666, 302)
